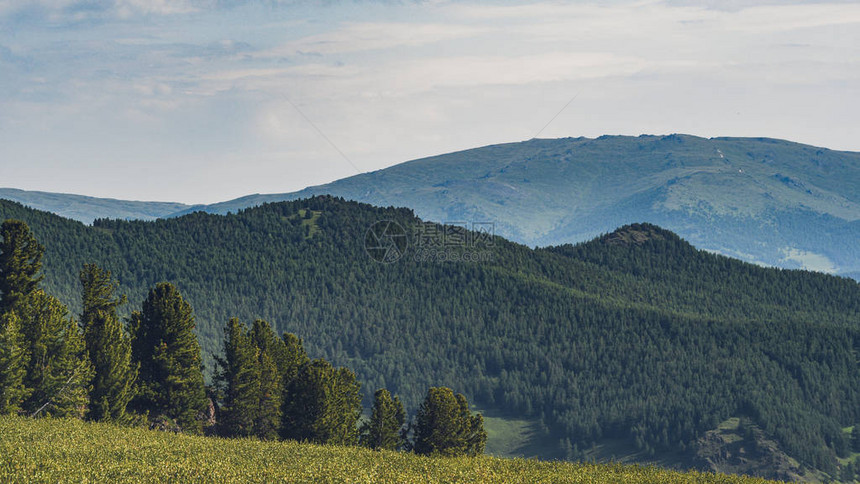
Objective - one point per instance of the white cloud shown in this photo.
(128, 8)
(75, 11)
(775, 18)
(432, 73)
(374, 36)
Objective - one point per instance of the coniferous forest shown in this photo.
(635, 335)
(151, 373)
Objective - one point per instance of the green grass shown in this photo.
(516, 436)
(311, 223)
(730, 424)
(73, 451)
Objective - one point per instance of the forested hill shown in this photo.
(762, 200)
(634, 336)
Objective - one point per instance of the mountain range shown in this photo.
(766, 201)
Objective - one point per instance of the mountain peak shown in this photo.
(636, 234)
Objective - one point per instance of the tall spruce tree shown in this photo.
(474, 436)
(290, 358)
(58, 367)
(272, 360)
(855, 438)
(165, 346)
(57, 370)
(322, 405)
(20, 262)
(444, 425)
(12, 365)
(383, 430)
(251, 380)
(239, 379)
(108, 345)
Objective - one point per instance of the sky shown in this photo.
(199, 101)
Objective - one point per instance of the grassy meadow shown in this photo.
(73, 451)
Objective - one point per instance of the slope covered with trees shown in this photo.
(267, 387)
(636, 335)
(762, 200)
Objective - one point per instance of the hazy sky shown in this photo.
(202, 101)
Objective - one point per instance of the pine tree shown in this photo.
(270, 351)
(444, 425)
(12, 365)
(58, 368)
(166, 348)
(322, 405)
(383, 430)
(474, 436)
(251, 378)
(20, 262)
(855, 437)
(239, 378)
(108, 346)
(290, 358)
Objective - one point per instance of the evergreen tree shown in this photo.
(290, 358)
(474, 436)
(855, 437)
(251, 380)
(166, 348)
(20, 262)
(239, 379)
(444, 425)
(58, 368)
(12, 365)
(384, 429)
(270, 351)
(322, 405)
(108, 346)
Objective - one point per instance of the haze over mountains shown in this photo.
(86, 209)
(762, 200)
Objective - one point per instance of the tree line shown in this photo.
(150, 371)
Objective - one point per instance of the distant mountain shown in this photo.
(86, 209)
(762, 200)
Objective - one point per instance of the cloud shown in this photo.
(70, 12)
(129, 8)
(425, 74)
(374, 36)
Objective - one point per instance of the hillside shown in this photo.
(86, 209)
(762, 200)
(637, 337)
(73, 451)
(766, 201)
